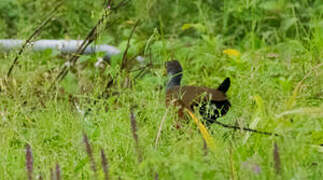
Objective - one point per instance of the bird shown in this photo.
(210, 103)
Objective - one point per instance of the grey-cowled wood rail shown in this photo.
(211, 103)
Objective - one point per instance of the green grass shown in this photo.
(280, 46)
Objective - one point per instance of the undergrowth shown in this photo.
(271, 50)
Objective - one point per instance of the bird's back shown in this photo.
(193, 94)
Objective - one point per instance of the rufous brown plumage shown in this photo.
(211, 103)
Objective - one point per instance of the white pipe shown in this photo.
(64, 46)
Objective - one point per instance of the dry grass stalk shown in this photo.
(160, 127)
(105, 165)
(29, 162)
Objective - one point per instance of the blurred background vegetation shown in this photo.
(249, 24)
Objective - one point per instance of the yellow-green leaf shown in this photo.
(186, 26)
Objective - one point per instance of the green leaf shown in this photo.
(81, 164)
(286, 24)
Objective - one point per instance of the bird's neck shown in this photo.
(175, 80)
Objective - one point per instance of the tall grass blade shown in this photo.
(292, 100)
(206, 135)
(260, 110)
(311, 111)
(161, 128)
(233, 170)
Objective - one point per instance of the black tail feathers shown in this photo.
(224, 86)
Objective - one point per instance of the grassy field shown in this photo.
(271, 50)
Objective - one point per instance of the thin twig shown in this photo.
(34, 34)
(124, 57)
(244, 128)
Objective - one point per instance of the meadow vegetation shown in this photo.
(272, 51)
